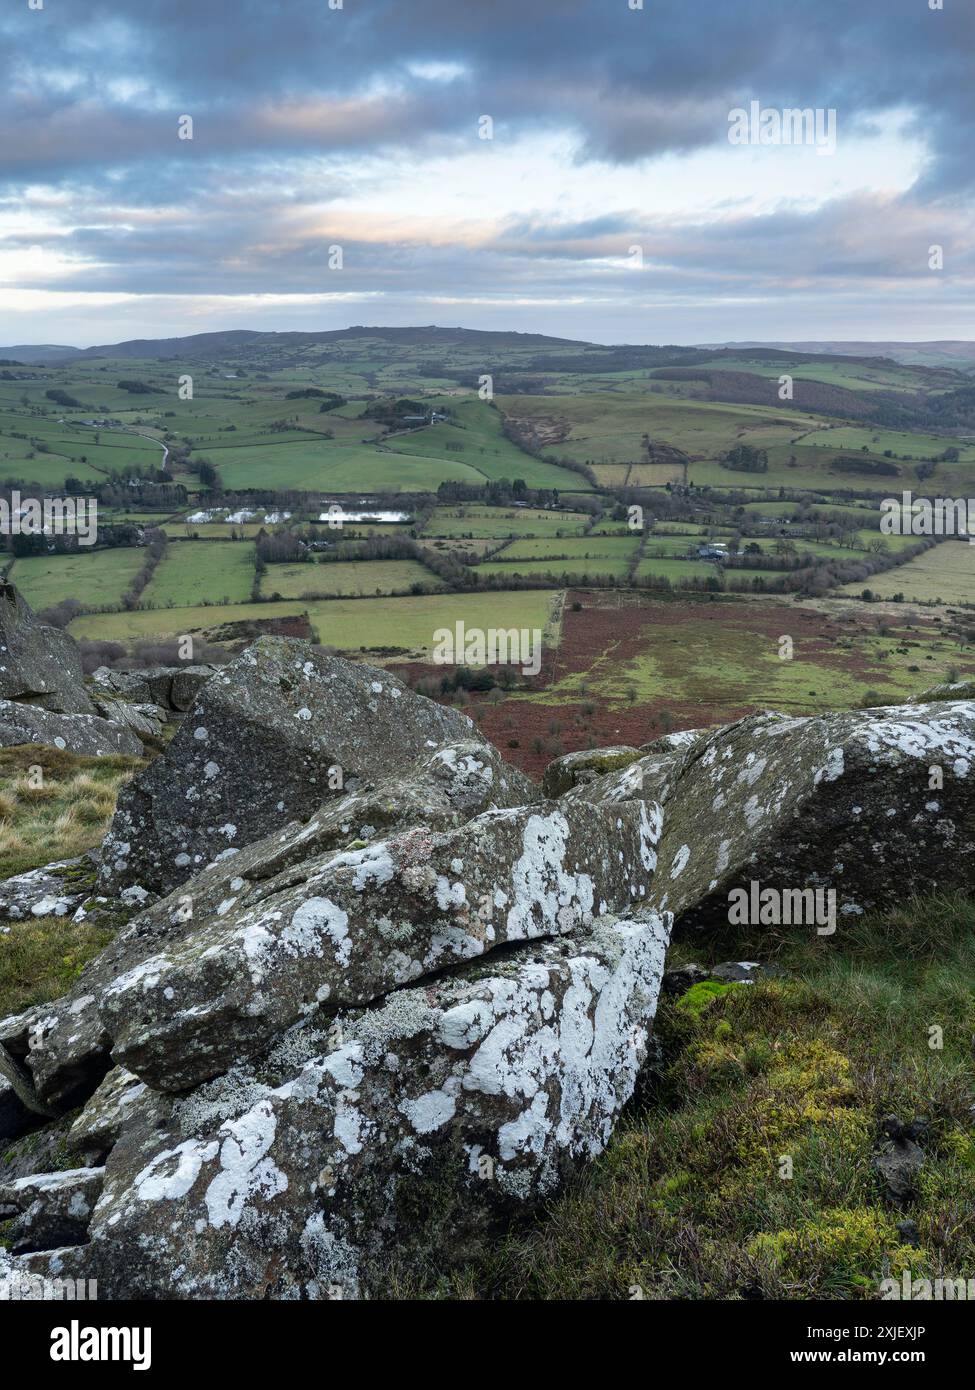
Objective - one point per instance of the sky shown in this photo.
(550, 166)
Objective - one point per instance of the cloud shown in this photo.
(358, 126)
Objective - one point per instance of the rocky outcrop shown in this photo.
(873, 805)
(584, 766)
(404, 1130)
(145, 721)
(347, 929)
(273, 736)
(39, 666)
(54, 891)
(169, 688)
(382, 1018)
(52, 1209)
(210, 974)
(651, 775)
(84, 734)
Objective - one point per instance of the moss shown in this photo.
(701, 996)
(854, 1246)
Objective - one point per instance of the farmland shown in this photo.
(658, 479)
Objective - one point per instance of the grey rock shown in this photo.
(417, 1128)
(744, 972)
(53, 891)
(568, 771)
(251, 958)
(652, 776)
(146, 721)
(96, 1130)
(843, 802)
(54, 1209)
(85, 734)
(272, 735)
(39, 665)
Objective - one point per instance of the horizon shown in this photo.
(731, 344)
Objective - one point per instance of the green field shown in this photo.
(356, 577)
(579, 568)
(945, 574)
(485, 523)
(613, 548)
(96, 578)
(347, 624)
(191, 571)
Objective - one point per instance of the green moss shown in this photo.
(852, 1246)
(701, 996)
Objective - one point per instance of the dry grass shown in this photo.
(55, 805)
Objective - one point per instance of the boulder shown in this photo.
(169, 687)
(562, 774)
(85, 734)
(651, 775)
(273, 735)
(242, 961)
(949, 690)
(873, 805)
(407, 1130)
(145, 721)
(39, 665)
(442, 790)
(53, 1209)
(54, 891)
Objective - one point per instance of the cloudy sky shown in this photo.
(609, 203)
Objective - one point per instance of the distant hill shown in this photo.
(211, 345)
(39, 354)
(948, 352)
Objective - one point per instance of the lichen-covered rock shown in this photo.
(145, 721)
(100, 1123)
(53, 1209)
(562, 774)
(651, 775)
(273, 736)
(872, 804)
(39, 665)
(949, 690)
(53, 891)
(242, 963)
(169, 687)
(440, 790)
(411, 1128)
(86, 734)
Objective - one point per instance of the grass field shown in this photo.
(945, 574)
(502, 522)
(406, 623)
(587, 548)
(218, 571)
(97, 578)
(355, 577)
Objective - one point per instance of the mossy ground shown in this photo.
(694, 1198)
